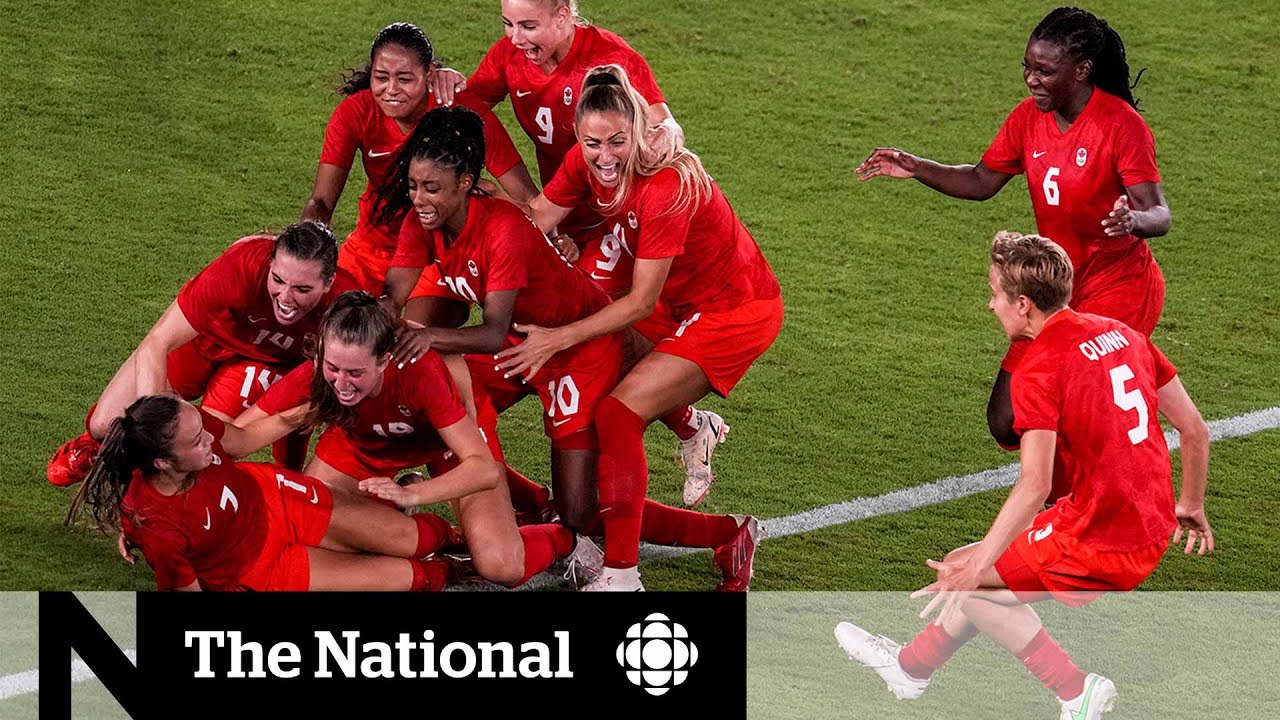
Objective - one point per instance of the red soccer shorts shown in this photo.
(367, 254)
(229, 387)
(1042, 560)
(723, 344)
(338, 450)
(570, 385)
(298, 509)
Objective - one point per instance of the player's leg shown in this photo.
(359, 524)
(501, 552)
(330, 570)
(327, 474)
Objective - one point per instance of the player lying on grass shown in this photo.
(235, 328)
(1086, 397)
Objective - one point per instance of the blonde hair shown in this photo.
(1034, 266)
(573, 10)
(608, 89)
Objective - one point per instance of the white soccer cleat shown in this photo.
(1099, 696)
(880, 654)
(616, 580)
(695, 455)
(584, 563)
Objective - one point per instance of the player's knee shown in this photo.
(504, 566)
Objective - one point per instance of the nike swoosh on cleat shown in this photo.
(1084, 707)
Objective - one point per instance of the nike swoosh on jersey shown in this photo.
(208, 520)
(373, 154)
(524, 93)
(594, 276)
(558, 423)
(1038, 153)
(315, 496)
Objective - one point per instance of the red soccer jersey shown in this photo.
(401, 420)
(211, 532)
(1076, 176)
(717, 265)
(1093, 380)
(358, 122)
(228, 304)
(501, 249)
(545, 104)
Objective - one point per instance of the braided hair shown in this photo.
(404, 34)
(1085, 36)
(451, 137)
(134, 442)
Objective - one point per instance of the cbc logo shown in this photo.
(657, 654)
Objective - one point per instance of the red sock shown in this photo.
(429, 575)
(291, 450)
(680, 421)
(434, 532)
(87, 417)
(526, 495)
(665, 525)
(543, 545)
(1052, 665)
(623, 481)
(931, 649)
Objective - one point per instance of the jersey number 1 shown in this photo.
(1130, 400)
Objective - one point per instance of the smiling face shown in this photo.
(295, 286)
(191, 447)
(543, 31)
(398, 81)
(1012, 313)
(607, 144)
(1052, 77)
(352, 370)
(439, 196)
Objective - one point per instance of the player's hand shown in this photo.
(388, 489)
(956, 581)
(528, 357)
(889, 162)
(567, 247)
(1192, 520)
(413, 343)
(126, 549)
(1121, 221)
(444, 83)
(665, 140)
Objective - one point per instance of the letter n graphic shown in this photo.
(65, 624)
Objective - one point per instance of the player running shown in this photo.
(1088, 391)
(1091, 169)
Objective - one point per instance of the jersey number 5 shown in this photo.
(1050, 185)
(1130, 400)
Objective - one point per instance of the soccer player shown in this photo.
(205, 522)
(382, 418)
(383, 103)
(1089, 390)
(723, 304)
(1091, 169)
(235, 328)
(540, 66)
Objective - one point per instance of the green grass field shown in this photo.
(142, 140)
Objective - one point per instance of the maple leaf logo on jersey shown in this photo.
(631, 219)
(1081, 156)
(568, 96)
(475, 271)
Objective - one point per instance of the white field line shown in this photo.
(918, 496)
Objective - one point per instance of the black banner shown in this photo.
(247, 655)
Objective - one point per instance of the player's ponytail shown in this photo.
(355, 318)
(1085, 36)
(404, 34)
(134, 442)
(607, 89)
(450, 137)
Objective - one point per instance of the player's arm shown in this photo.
(540, 344)
(518, 185)
(399, 284)
(1176, 405)
(1025, 499)
(171, 331)
(255, 429)
(546, 214)
(476, 472)
(1141, 211)
(665, 135)
(193, 587)
(330, 180)
(484, 338)
(967, 182)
